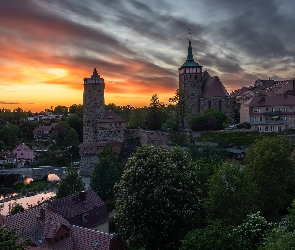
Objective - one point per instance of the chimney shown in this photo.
(82, 196)
(42, 214)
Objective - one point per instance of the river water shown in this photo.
(26, 202)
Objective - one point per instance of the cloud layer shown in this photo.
(138, 46)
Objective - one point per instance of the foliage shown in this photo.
(179, 138)
(76, 109)
(156, 115)
(156, 195)
(9, 134)
(250, 234)
(16, 208)
(75, 122)
(10, 240)
(72, 138)
(106, 173)
(215, 236)
(62, 110)
(271, 168)
(211, 119)
(122, 111)
(279, 240)
(207, 153)
(231, 194)
(62, 129)
(232, 138)
(244, 125)
(171, 124)
(179, 100)
(72, 183)
(137, 118)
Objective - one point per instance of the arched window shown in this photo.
(219, 105)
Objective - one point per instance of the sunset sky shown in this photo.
(48, 47)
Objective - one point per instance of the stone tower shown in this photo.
(100, 126)
(93, 105)
(190, 81)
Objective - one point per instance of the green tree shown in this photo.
(9, 240)
(278, 239)
(156, 200)
(62, 129)
(137, 118)
(71, 184)
(210, 119)
(155, 114)
(106, 173)
(231, 194)
(251, 233)
(179, 100)
(16, 208)
(271, 168)
(75, 122)
(215, 236)
(72, 138)
(62, 110)
(9, 134)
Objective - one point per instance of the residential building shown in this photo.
(83, 209)
(23, 152)
(44, 132)
(269, 113)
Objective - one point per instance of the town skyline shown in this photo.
(49, 47)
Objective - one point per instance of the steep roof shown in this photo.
(91, 239)
(213, 87)
(190, 62)
(269, 101)
(29, 226)
(89, 211)
(110, 116)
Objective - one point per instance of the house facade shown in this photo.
(269, 113)
(23, 152)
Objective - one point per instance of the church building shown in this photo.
(201, 90)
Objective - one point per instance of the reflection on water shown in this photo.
(27, 201)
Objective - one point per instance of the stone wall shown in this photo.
(88, 161)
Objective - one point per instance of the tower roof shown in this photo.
(190, 57)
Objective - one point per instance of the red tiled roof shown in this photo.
(213, 87)
(91, 239)
(110, 116)
(276, 100)
(72, 208)
(29, 226)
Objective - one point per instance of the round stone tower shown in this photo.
(93, 105)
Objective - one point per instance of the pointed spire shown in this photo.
(95, 74)
(189, 49)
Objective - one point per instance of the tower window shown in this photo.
(219, 105)
(209, 104)
(196, 77)
(194, 70)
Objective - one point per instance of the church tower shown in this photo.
(93, 105)
(190, 81)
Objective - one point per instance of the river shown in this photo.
(25, 201)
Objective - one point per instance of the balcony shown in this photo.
(269, 122)
(273, 113)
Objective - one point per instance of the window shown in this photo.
(257, 110)
(21, 153)
(285, 109)
(187, 70)
(290, 118)
(261, 118)
(254, 119)
(61, 237)
(259, 129)
(285, 118)
(66, 235)
(198, 70)
(291, 108)
(266, 129)
(279, 128)
(56, 239)
(266, 109)
(194, 70)
(272, 128)
(209, 104)
(219, 105)
(273, 109)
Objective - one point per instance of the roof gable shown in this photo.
(213, 87)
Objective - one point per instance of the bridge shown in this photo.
(36, 173)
